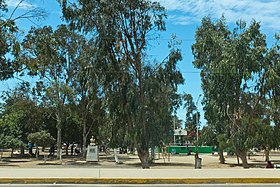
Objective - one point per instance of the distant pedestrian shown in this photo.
(196, 154)
(77, 150)
(51, 150)
(72, 148)
(30, 146)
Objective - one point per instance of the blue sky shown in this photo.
(184, 17)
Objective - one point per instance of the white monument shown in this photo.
(92, 151)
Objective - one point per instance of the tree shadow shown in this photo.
(13, 160)
(49, 164)
(171, 164)
(77, 163)
(8, 165)
(251, 165)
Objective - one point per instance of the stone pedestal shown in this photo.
(92, 153)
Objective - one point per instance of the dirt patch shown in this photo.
(132, 161)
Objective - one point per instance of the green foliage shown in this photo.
(192, 115)
(236, 70)
(208, 137)
(3, 6)
(41, 138)
(53, 55)
(21, 113)
(133, 89)
(9, 44)
(223, 142)
(11, 130)
(10, 142)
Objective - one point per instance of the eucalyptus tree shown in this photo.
(217, 122)
(88, 101)
(122, 30)
(232, 71)
(7, 39)
(192, 115)
(273, 84)
(9, 44)
(269, 107)
(52, 55)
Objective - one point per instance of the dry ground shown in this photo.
(132, 161)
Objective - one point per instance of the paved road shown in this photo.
(137, 176)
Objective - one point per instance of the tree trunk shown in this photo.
(12, 152)
(266, 152)
(22, 150)
(59, 142)
(143, 155)
(153, 154)
(37, 152)
(66, 149)
(222, 158)
(84, 140)
(243, 157)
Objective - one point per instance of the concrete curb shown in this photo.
(137, 181)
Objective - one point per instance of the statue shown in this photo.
(92, 141)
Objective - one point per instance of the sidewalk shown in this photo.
(178, 169)
(137, 176)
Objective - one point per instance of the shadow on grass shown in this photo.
(13, 160)
(49, 164)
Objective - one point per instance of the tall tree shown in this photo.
(268, 110)
(192, 116)
(52, 55)
(217, 124)
(233, 75)
(122, 30)
(88, 101)
(273, 86)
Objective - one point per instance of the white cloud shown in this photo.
(23, 5)
(191, 11)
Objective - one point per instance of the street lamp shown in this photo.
(197, 125)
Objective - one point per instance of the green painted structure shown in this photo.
(186, 149)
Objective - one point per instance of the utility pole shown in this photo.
(197, 164)
(174, 122)
(197, 124)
